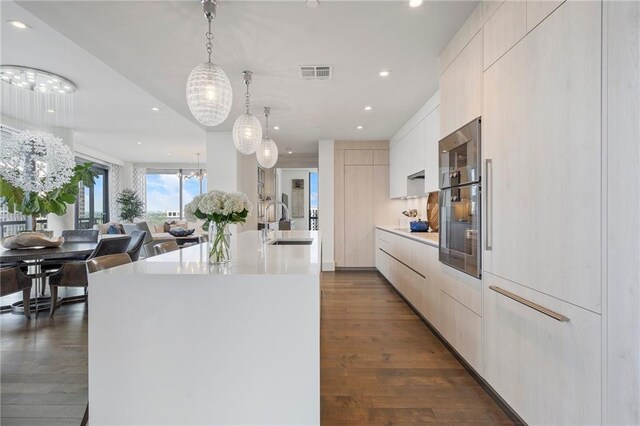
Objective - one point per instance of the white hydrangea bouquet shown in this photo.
(219, 209)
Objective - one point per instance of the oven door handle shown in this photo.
(488, 169)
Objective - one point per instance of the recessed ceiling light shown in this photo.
(289, 151)
(155, 109)
(359, 127)
(168, 153)
(367, 108)
(19, 24)
(415, 3)
(276, 127)
(139, 143)
(51, 110)
(384, 73)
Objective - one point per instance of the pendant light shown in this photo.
(268, 151)
(209, 93)
(247, 130)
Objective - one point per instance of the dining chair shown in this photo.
(167, 247)
(13, 280)
(135, 246)
(80, 235)
(74, 273)
(109, 261)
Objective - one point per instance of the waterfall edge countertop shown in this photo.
(173, 340)
(429, 238)
(249, 257)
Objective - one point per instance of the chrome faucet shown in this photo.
(265, 229)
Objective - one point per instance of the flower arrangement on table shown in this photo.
(219, 210)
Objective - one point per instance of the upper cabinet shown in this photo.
(506, 26)
(414, 149)
(542, 133)
(537, 10)
(461, 87)
(431, 138)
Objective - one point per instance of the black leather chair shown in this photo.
(74, 273)
(80, 235)
(13, 280)
(135, 246)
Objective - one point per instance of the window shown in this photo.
(168, 190)
(92, 206)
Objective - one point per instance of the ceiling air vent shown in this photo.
(316, 72)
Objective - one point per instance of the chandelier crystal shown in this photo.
(247, 130)
(36, 161)
(209, 92)
(267, 153)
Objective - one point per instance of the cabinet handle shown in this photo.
(548, 312)
(488, 239)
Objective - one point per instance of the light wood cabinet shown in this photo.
(461, 88)
(541, 130)
(358, 157)
(504, 29)
(548, 371)
(441, 294)
(397, 182)
(537, 10)
(463, 330)
(358, 218)
(431, 151)
(361, 200)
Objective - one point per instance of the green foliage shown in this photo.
(222, 219)
(38, 205)
(131, 206)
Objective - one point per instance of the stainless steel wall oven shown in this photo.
(460, 191)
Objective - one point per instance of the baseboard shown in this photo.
(510, 412)
(328, 266)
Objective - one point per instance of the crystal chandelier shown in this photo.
(209, 93)
(268, 151)
(198, 173)
(36, 162)
(247, 130)
(36, 80)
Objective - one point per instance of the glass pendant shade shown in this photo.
(209, 94)
(267, 153)
(247, 133)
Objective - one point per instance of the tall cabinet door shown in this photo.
(359, 216)
(543, 137)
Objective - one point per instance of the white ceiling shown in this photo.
(155, 44)
(111, 114)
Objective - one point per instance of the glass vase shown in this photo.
(219, 243)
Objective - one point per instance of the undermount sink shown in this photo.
(292, 242)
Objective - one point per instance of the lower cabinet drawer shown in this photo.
(463, 330)
(547, 369)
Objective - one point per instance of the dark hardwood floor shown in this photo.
(43, 367)
(379, 364)
(382, 365)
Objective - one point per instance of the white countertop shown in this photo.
(249, 257)
(429, 238)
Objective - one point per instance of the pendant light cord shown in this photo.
(209, 36)
(246, 95)
(267, 112)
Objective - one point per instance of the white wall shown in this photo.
(284, 177)
(222, 162)
(326, 202)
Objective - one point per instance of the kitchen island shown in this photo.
(174, 340)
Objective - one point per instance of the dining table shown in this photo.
(34, 258)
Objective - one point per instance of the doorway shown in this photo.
(298, 189)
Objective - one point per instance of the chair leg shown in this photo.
(26, 299)
(54, 299)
